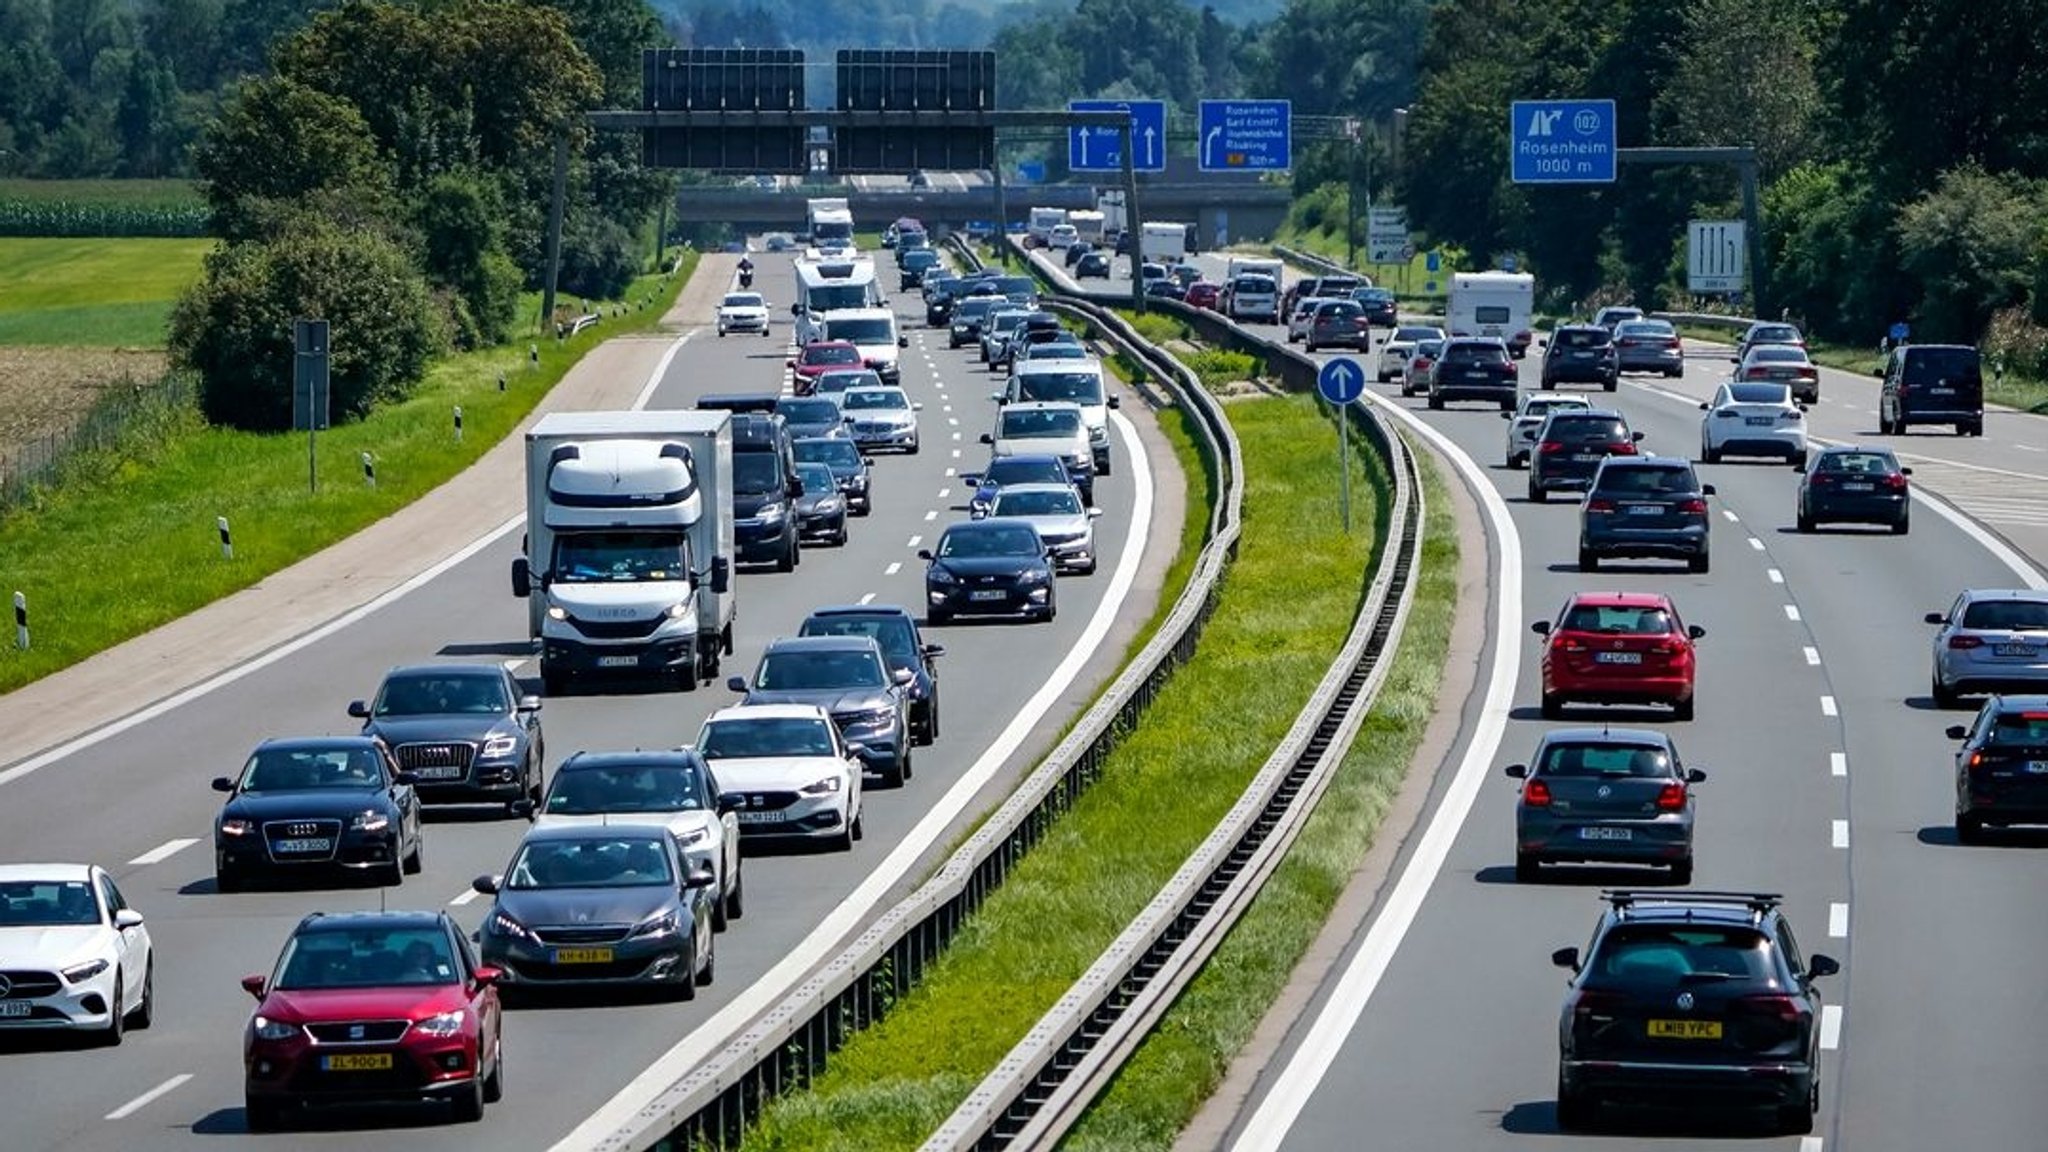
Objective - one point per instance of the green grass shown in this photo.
(93, 292)
(1287, 604)
(125, 540)
(129, 192)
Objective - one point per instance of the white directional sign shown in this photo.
(1386, 234)
(1714, 256)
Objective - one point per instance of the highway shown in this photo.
(1829, 782)
(139, 800)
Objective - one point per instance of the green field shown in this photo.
(139, 192)
(92, 292)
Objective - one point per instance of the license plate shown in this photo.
(316, 844)
(1643, 509)
(1586, 458)
(357, 1062)
(2031, 768)
(1942, 391)
(439, 772)
(2026, 650)
(760, 817)
(1759, 421)
(15, 1008)
(1582, 355)
(1617, 657)
(1607, 834)
(1481, 377)
(1859, 487)
(583, 955)
(618, 661)
(988, 594)
(1686, 1029)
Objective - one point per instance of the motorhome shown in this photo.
(829, 219)
(1162, 242)
(1038, 229)
(1493, 305)
(1088, 224)
(832, 285)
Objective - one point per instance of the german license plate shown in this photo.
(1643, 509)
(1607, 834)
(311, 844)
(618, 661)
(1586, 458)
(1859, 487)
(1759, 421)
(1942, 391)
(1686, 1029)
(988, 594)
(1617, 657)
(760, 817)
(2030, 767)
(357, 1062)
(2026, 650)
(1582, 355)
(15, 1008)
(1480, 377)
(438, 772)
(583, 955)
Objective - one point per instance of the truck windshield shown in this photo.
(620, 557)
(834, 297)
(861, 330)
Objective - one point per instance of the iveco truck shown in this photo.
(629, 545)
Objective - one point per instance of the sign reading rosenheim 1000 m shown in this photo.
(1561, 141)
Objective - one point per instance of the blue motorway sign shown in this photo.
(1097, 149)
(1246, 135)
(1561, 141)
(1340, 380)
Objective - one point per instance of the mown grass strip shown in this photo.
(1288, 601)
(125, 540)
(93, 293)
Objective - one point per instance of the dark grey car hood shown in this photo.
(440, 726)
(540, 907)
(832, 700)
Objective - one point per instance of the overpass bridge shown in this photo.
(1239, 210)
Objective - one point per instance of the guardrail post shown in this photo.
(458, 423)
(369, 470)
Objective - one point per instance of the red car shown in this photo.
(1618, 648)
(814, 360)
(1203, 294)
(373, 1006)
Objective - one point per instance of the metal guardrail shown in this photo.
(711, 1105)
(571, 328)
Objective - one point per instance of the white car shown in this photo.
(873, 332)
(786, 771)
(1394, 351)
(1064, 522)
(76, 956)
(881, 418)
(1752, 419)
(1527, 419)
(1298, 320)
(1049, 428)
(667, 788)
(743, 312)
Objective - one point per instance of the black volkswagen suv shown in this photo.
(903, 646)
(851, 680)
(2002, 766)
(1474, 370)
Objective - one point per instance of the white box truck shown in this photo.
(1496, 305)
(629, 545)
(1039, 228)
(830, 220)
(1111, 204)
(1162, 242)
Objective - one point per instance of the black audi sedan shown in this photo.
(317, 803)
(903, 646)
(989, 567)
(467, 732)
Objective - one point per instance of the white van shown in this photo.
(873, 332)
(1070, 381)
(1254, 296)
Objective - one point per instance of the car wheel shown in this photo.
(788, 560)
(937, 617)
(1944, 696)
(1969, 828)
(844, 535)
(494, 1084)
(533, 787)
(1804, 522)
(261, 1115)
(1611, 385)
(1528, 869)
(117, 1021)
(1436, 403)
(1799, 459)
(227, 881)
(468, 1104)
(1674, 373)
(1553, 706)
(553, 683)
(1575, 1112)
(1699, 563)
(686, 677)
(392, 874)
(1797, 1119)
(686, 988)
(844, 841)
(1309, 346)
(709, 972)
(414, 861)
(1977, 428)
(1900, 526)
(1709, 454)
(1681, 872)
(1537, 493)
(1682, 709)
(1588, 562)
(145, 1012)
(718, 914)
(736, 900)
(912, 450)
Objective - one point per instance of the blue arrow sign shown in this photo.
(1095, 148)
(1246, 135)
(1561, 141)
(1341, 380)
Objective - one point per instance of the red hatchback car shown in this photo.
(814, 360)
(1618, 648)
(373, 1006)
(1204, 294)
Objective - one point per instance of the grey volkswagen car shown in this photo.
(468, 733)
(850, 678)
(1604, 795)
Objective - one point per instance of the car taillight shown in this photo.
(1536, 794)
(1965, 642)
(1671, 798)
(1521, 337)
(1896, 481)
(1697, 507)
(1550, 447)
(1595, 1005)
(1674, 344)
(1624, 448)
(1809, 374)
(1595, 505)
(1790, 414)
(1782, 1008)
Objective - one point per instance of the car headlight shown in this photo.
(268, 1029)
(80, 973)
(770, 512)
(446, 1024)
(498, 746)
(938, 575)
(828, 505)
(693, 837)
(660, 925)
(557, 612)
(679, 609)
(1099, 434)
(502, 925)
(873, 716)
(369, 822)
(824, 787)
(236, 826)
(1034, 576)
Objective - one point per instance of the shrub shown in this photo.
(599, 258)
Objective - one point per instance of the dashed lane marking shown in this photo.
(1792, 612)
(1838, 763)
(1838, 920)
(1776, 576)
(1827, 706)
(143, 1101)
(894, 567)
(165, 851)
(1812, 655)
(1830, 1027)
(867, 598)
(1838, 833)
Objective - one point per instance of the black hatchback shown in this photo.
(1570, 446)
(1581, 354)
(1474, 370)
(1648, 506)
(1846, 484)
(2002, 766)
(1691, 997)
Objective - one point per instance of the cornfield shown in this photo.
(80, 218)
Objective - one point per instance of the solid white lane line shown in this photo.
(867, 598)
(165, 851)
(1776, 576)
(465, 898)
(2028, 448)
(1827, 706)
(1792, 612)
(1732, 518)
(1838, 920)
(1812, 655)
(894, 567)
(1830, 1027)
(1838, 833)
(1756, 544)
(142, 1101)
(1838, 763)
(914, 542)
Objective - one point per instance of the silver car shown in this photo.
(1065, 524)
(1527, 419)
(1990, 640)
(1607, 796)
(881, 418)
(1394, 351)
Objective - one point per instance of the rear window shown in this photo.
(1586, 429)
(1760, 394)
(1779, 354)
(1674, 953)
(1254, 284)
(1605, 760)
(1474, 353)
(2029, 728)
(1927, 365)
(1646, 480)
(1490, 314)
(1340, 310)
(2012, 615)
(1641, 328)
(1617, 619)
(1582, 338)
(1856, 463)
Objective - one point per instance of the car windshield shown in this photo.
(47, 903)
(807, 410)
(1056, 350)
(617, 557)
(593, 862)
(870, 399)
(744, 738)
(1003, 322)
(828, 354)
(1581, 338)
(1675, 954)
(744, 300)
(1024, 470)
(1605, 760)
(830, 382)
(828, 670)
(626, 788)
(1638, 480)
(862, 330)
(817, 479)
(833, 297)
(756, 472)
(2007, 615)
(990, 542)
(1760, 394)
(833, 451)
(1030, 423)
(1079, 387)
(892, 632)
(431, 695)
(1592, 430)
(366, 958)
(1259, 284)
(1030, 503)
(303, 769)
(974, 308)
(1617, 620)
(1856, 463)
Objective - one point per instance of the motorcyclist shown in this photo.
(746, 272)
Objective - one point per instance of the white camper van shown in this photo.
(1495, 305)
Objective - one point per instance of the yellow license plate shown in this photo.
(583, 955)
(1686, 1029)
(357, 1062)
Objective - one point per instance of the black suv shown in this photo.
(1691, 994)
(1932, 384)
(2002, 767)
(1581, 354)
(1474, 370)
(903, 646)
(1571, 444)
(1645, 506)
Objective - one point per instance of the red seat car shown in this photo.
(1618, 648)
(814, 360)
(373, 1006)
(1204, 294)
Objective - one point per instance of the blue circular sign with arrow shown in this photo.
(1341, 380)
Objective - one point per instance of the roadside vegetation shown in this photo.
(1287, 603)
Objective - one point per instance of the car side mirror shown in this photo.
(1695, 776)
(1958, 732)
(996, 396)
(1636, 436)
(486, 975)
(404, 778)
(253, 985)
(970, 479)
(903, 341)
(731, 802)
(917, 405)
(789, 363)
(903, 676)
(1695, 631)
(934, 651)
(1799, 467)
(1511, 415)
(867, 461)
(736, 683)
(855, 750)
(523, 807)
(1543, 343)
(127, 918)
(721, 575)
(1116, 402)
(1566, 958)
(1905, 471)
(1706, 489)
(1935, 618)
(1541, 627)
(522, 578)
(987, 439)
(924, 554)
(1094, 512)
(1516, 771)
(796, 309)
(1704, 406)
(1820, 964)
(485, 885)
(223, 784)
(701, 878)
(359, 709)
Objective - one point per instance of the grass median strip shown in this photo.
(126, 540)
(1288, 602)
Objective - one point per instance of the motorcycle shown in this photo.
(746, 277)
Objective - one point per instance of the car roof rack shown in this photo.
(1624, 899)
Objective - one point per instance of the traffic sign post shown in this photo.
(1714, 255)
(1246, 135)
(1561, 141)
(1097, 149)
(1341, 381)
